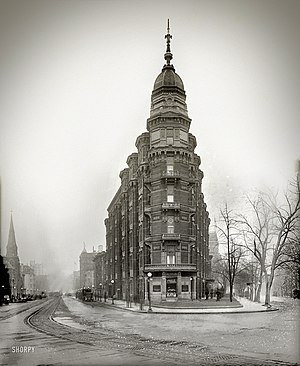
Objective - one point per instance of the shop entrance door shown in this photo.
(171, 288)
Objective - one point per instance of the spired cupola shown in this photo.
(168, 102)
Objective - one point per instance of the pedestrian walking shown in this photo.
(218, 293)
(206, 293)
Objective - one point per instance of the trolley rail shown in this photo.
(177, 352)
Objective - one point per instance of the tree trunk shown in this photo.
(230, 291)
(268, 291)
(258, 290)
(225, 284)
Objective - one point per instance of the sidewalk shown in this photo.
(240, 305)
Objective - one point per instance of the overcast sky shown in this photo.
(75, 85)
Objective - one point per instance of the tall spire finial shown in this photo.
(168, 54)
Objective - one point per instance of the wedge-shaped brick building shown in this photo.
(157, 225)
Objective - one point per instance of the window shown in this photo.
(155, 135)
(147, 225)
(170, 194)
(184, 257)
(170, 254)
(156, 288)
(147, 254)
(170, 165)
(183, 136)
(170, 229)
(170, 198)
(170, 224)
(170, 136)
(170, 169)
(170, 258)
(170, 132)
(156, 257)
(185, 288)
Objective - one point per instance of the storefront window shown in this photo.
(156, 288)
(185, 288)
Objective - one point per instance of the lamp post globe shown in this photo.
(113, 291)
(149, 275)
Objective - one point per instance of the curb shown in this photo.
(183, 313)
(214, 312)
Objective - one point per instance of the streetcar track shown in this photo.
(178, 352)
(29, 321)
(18, 312)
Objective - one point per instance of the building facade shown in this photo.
(100, 274)
(157, 224)
(87, 268)
(28, 279)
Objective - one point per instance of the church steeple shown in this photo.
(11, 248)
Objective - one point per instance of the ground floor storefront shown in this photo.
(173, 286)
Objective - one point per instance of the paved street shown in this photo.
(102, 335)
(22, 346)
(271, 335)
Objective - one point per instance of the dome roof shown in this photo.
(168, 77)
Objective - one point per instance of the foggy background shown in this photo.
(75, 86)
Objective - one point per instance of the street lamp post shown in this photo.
(13, 289)
(149, 274)
(191, 288)
(113, 291)
(100, 290)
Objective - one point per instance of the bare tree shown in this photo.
(291, 260)
(257, 235)
(269, 231)
(234, 251)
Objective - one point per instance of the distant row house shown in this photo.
(29, 280)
